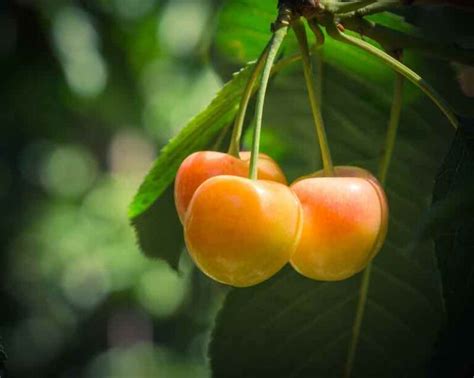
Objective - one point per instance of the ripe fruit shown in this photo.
(240, 231)
(200, 166)
(344, 223)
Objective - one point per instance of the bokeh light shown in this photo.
(144, 360)
(130, 155)
(129, 76)
(173, 96)
(161, 291)
(85, 283)
(77, 43)
(68, 171)
(182, 25)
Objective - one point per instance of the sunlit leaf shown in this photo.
(244, 30)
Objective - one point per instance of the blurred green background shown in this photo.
(90, 90)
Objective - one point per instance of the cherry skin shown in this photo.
(202, 165)
(241, 232)
(345, 220)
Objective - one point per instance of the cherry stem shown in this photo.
(398, 67)
(364, 289)
(382, 175)
(248, 92)
(275, 43)
(234, 147)
(300, 33)
(392, 129)
(318, 57)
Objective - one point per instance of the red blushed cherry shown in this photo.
(202, 165)
(241, 232)
(345, 219)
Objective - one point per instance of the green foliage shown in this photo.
(395, 22)
(152, 211)
(452, 223)
(159, 230)
(306, 325)
(2, 354)
(3, 358)
(454, 236)
(453, 204)
(197, 135)
(247, 29)
(291, 326)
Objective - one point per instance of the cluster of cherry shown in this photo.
(241, 231)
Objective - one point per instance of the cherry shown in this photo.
(202, 165)
(239, 231)
(344, 223)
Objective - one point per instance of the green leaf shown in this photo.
(3, 358)
(453, 202)
(244, 29)
(291, 326)
(197, 135)
(152, 212)
(159, 231)
(395, 22)
(452, 223)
